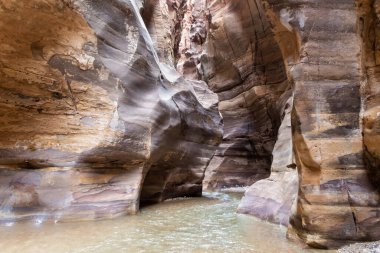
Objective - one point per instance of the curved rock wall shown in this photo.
(230, 45)
(271, 199)
(88, 112)
(334, 121)
(95, 119)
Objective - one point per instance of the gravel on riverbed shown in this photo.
(372, 247)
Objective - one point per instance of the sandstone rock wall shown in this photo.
(250, 53)
(94, 118)
(370, 33)
(271, 199)
(336, 202)
(230, 45)
(88, 113)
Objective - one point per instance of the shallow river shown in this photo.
(207, 224)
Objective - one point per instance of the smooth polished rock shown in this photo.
(230, 45)
(271, 199)
(89, 114)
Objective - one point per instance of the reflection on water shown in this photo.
(207, 224)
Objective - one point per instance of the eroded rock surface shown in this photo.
(95, 119)
(230, 45)
(329, 49)
(89, 115)
(370, 28)
(337, 203)
(271, 199)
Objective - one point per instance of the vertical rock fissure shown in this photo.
(180, 13)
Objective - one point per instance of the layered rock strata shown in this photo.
(337, 202)
(89, 116)
(94, 118)
(369, 12)
(230, 45)
(338, 196)
(271, 199)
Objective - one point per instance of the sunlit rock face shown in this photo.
(334, 119)
(89, 116)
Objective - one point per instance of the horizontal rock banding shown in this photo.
(336, 202)
(87, 110)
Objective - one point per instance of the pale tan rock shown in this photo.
(336, 203)
(88, 114)
(271, 199)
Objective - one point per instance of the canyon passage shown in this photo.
(131, 123)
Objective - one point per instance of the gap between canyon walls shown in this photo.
(237, 47)
(230, 45)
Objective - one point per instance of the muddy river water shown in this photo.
(207, 224)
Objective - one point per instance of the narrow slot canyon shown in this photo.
(189, 126)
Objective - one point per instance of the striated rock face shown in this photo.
(337, 202)
(334, 122)
(230, 45)
(89, 116)
(163, 20)
(370, 32)
(271, 199)
(96, 120)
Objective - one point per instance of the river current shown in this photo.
(207, 224)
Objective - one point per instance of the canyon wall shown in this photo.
(324, 53)
(271, 199)
(369, 12)
(230, 45)
(108, 104)
(90, 117)
(337, 202)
